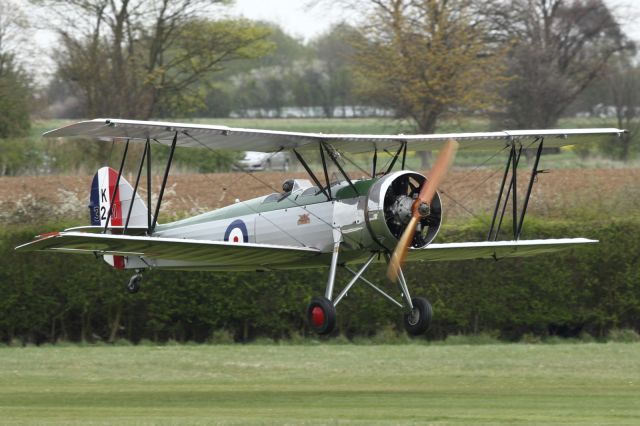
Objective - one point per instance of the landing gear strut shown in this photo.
(321, 312)
(417, 319)
(133, 286)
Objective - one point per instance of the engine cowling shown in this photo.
(388, 210)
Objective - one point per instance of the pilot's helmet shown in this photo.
(287, 186)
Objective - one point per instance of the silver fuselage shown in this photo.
(354, 217)
(303, 218)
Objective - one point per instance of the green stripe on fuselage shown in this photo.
(362, 188)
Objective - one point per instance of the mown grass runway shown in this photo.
(322, 384)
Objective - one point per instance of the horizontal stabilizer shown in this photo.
(98, 229)
(493, 249)
(214, 253)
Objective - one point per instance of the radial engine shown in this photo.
(389, 209)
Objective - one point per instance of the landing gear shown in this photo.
(321, 312)
(321, 315)
(133, 286)
(417, 321)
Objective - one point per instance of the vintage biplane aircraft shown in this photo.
(393, 216)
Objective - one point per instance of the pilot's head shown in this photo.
(287, 186)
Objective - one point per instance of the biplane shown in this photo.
(329, 220)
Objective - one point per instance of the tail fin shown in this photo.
(102, 190)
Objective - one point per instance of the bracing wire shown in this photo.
(346, 236)
(469, 173)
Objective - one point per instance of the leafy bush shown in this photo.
(625, 335)
(221, 337)
(47, 297)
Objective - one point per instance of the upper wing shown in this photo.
(214, 253)
(493, 249)
(236, 139)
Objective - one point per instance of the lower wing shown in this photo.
(221, 253)
(233, 255)
(493, 249)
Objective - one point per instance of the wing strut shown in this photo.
(403, 145)
(498, 201)
(514, 157)
(325, 170)
(115, 189)
(148, 187)
(514, 188)
(311, 174)
(334, 158)
(534, 174)
(164, 181)
(135, 187)
(404, 156)
(512, 166)
(375, 161)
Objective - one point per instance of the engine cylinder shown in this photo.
(389, 210)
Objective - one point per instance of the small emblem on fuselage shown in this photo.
(237, 232)
(304, 219)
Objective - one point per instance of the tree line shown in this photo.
(524, 63)
(50, 297)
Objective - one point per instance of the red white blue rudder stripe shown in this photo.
(102, 190)
(100, 200)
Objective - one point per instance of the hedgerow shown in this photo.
(47, 297)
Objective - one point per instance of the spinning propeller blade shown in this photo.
(425, 196)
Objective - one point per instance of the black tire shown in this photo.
(419, 319)
(321, 315)
(133, 286)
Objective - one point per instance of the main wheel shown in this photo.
(133, 286)
(321, 315)
(418, 320)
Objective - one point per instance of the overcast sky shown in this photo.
(306, 19)
(302, 19)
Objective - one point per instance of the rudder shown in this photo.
(102, 192)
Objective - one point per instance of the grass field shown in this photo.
(324, 384)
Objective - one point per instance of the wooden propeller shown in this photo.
(427, 192)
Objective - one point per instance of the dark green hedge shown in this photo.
(48, 297)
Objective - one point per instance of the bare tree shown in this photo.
(425, 58)
(334, 58)
(623, 84)
(560, 47)
(15, 90)
(139, 58)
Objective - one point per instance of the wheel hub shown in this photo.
(414, 316)
(317, 316)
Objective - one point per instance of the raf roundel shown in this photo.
(237, 232)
